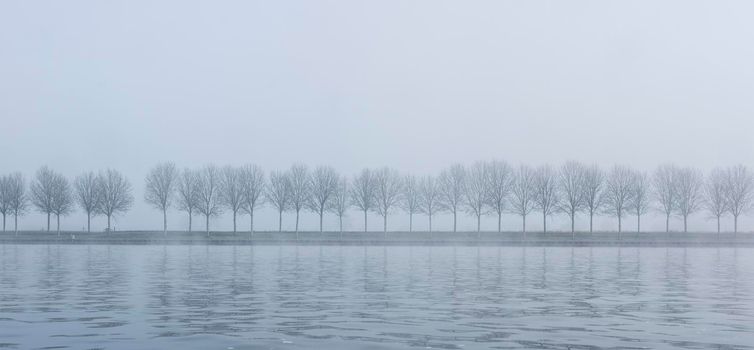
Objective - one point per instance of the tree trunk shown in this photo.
(57, 216)
(88, 222)
(3, 222)
(234, 222)
(620, 226)
(718, 226)
(297, 211)
(365, 221)
(591, 221)
(410, 222)
(667, 223)
(165, 222)
(108, 224)
(15, 224)
(685, 228)
(573, 231)
(206, 223)
(384, 224)
(735, 224)
(280, 221)
(523, 223)
(454, 220)
(638, 223)
(190, 217)
(251, 221)
(340, 220)
(251, 224)
(321, 214)
(478, 223)
(499, 222)
(48, 222)
(430, 223)
(544, 222)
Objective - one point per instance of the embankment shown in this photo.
(380, 238)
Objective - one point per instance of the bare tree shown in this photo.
(5, 203)
(279, 194)
(299, 181)
(231, 191)
(689, 183)
(62, 203)
(188, 193)
(546, 199)
(570, 183)
(87, 192)
(252, 186)
(208, 194)
(639, 204)
(715, 197)
(322, 184)
(618, 193)
(594, 183)
(43, 192)
(500, 181)
(665, 191)
(341, 200)
(387, 194)
(475, 191)
(430, 200)
(411, 199)
(523, 191)
(363, 193)
(16, 192)
(160, 189)
(115, 194)
(739, 192)
(452, 184)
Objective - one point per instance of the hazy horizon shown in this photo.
(415, 86)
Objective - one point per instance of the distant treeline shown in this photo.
(484, 188)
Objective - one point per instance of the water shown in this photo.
(287, 297)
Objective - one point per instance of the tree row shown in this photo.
(484, 188)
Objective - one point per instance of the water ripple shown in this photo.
(285, 297)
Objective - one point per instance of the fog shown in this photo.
(417, 86)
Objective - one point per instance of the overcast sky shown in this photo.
(415, 85)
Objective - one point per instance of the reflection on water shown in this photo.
(285, 297)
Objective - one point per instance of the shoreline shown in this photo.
(351, 238)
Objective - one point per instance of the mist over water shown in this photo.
(375, 297)
(108, 100)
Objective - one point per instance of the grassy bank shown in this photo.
(379, 238)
